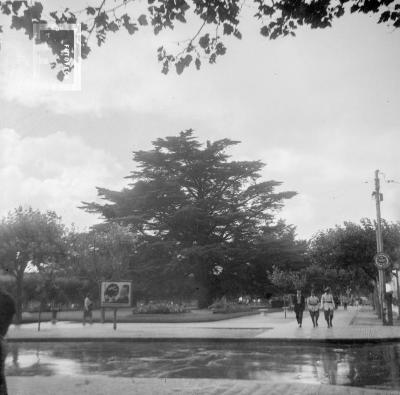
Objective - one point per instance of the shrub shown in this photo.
(223, 306)
(277, 303)
(159, 308)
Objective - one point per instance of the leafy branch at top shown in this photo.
(278, 18)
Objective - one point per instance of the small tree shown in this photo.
(288, 281)
(28, 236)
(349, 251)
(103, 253)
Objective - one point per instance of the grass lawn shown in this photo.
(125, 315)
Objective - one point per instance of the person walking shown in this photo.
(336, 300)
(299, 306)
(328, 305)
(87, 309)
(7, 311)
(313, 307)
(345, 301)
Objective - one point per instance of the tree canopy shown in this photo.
(196, 213)
(213, 20)
(103, 253)
(29, 236)
(341, 257)
(351, 249)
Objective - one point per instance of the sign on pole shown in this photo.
(382, 261)
(116, 294)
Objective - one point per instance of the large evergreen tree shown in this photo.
(197, 213)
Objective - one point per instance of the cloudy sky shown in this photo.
(321, 110)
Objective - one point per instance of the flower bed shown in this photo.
(160, 308)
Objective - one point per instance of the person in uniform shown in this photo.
(313, 307)
(328, 305)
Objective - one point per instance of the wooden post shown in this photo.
(53, 314)
(284, 304)
(115, 319)
(40, 316)
(103, 315)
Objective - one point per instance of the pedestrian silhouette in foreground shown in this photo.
(7, 311)
(313, 307)
(299, 306)
(328, 305)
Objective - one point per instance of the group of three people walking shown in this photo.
(313, 303)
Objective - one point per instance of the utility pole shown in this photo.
(379, 244)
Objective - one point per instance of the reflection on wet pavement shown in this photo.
(368, 365)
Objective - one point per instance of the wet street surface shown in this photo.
(361, 365)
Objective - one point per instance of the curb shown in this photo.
(150, 319)
(203, 339)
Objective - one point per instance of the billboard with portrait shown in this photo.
(116, 294)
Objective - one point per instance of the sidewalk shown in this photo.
(369, 318)
(98, 385)
(348, 326)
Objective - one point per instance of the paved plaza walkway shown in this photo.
(350, 325)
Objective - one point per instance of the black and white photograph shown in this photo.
(199, 197)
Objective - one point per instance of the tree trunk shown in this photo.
(204, 298)
(40, 315)
(372, 299)
(18, 298)
(377, 300)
